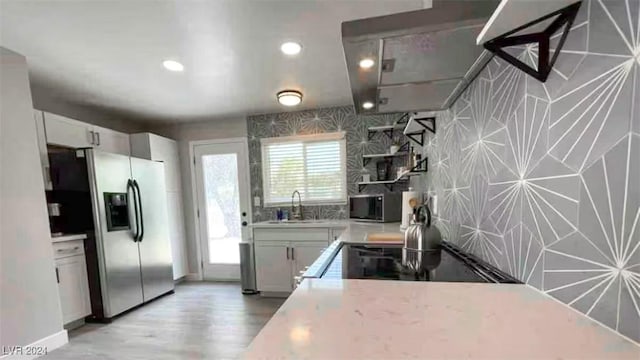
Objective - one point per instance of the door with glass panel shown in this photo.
(222, 182)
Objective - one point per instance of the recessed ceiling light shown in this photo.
(289, 97)
(367, 105)
(291, 48)
(172, 65)
(367, 63)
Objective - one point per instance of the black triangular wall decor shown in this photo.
(564, 17)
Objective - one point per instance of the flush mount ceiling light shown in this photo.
(367, 63)
(172, 65)
(289, 97)
(367, 105)
(291, 48)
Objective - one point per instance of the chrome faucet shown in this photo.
(296, 212)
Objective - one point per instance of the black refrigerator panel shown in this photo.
(68, 170)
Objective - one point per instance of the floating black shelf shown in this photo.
(564, 17)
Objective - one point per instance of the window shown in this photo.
(315, 165)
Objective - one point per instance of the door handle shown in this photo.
(57, 276)
(132, 199)
(135, 184)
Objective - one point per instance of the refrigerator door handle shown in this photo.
(141, 236)
(130, 185)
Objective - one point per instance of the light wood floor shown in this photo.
(199, 321)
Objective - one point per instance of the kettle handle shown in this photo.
(426, 207)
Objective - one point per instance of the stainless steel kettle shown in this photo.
(421, 242)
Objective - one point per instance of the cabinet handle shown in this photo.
(287, 253)
(92, 139)
(47, 174)
(69, 250)
(57, 276)
(98, 138)
(293, 256)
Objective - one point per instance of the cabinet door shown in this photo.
(304, 253)
(273, 266)
(166, 150)
(63, 131)
(73, 287)
(42, 148)
(112, 141)
(177, 234)
(335, 234)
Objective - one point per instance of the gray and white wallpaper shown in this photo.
(315, 122)
(543, 179)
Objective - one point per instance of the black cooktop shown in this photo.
(384, 262)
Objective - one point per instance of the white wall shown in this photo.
(29, 302)
(184, 133)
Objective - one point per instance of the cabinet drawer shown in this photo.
(68, 248)
(297, 234)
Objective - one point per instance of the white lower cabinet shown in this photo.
(281, 254)
(273, 267)
(73, 284)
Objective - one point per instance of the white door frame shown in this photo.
(194, 190)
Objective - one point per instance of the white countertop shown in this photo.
(367, 319)
(356, 319)
(68, 237)
(301, 224)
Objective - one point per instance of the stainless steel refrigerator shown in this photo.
(132, 247)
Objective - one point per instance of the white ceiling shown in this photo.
(108, 54)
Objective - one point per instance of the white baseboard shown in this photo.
(193, 277)
(49, 343)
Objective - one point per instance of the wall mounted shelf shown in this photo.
(385, 129)
(419, 169)
(388, 183)
(388, 130)
(368, 157)
(538, 21)
(417, 125)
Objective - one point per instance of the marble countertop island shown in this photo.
(369, 319)
(374, 319)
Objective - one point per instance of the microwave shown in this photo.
(376, 207)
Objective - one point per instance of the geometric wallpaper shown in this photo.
(543, 179)
(317, 121)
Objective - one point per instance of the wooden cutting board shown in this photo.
(386, 237)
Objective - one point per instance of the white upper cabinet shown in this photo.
(63, 131)
(111, 141)
(67, 132)
(157, 148)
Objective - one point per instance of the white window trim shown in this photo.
(338, 135)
